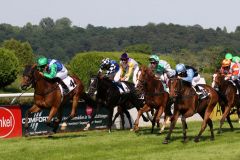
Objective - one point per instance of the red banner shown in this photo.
(10, 121)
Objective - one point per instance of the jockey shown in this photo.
(190, 74)
(235, 71)
(128, 66)
(226, 68)
(229, 56)
(53, 69)
(110, 67)
(161, 68)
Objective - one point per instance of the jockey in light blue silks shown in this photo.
(53, 69)
(190, 74)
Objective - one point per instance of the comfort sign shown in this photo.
(10, 121)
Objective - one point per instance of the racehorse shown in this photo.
(228, 97)
(108, 95)
(47, 94)
(154, 95)
(187, 103)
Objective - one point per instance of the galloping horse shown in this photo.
(228, 97)
(47, 94)
(154, 95)
(108, 94)
(187, 103)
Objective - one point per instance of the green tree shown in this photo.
(23, 51)
(9, 67)
(139, 48)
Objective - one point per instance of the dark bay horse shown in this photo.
(154, 95)
(187, 103)
(108, 95)
(228, 97)
(47, 94)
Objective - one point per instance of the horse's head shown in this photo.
(93, 84)
(143, 76)
(175, 86)
(28, 76)
(218, 78)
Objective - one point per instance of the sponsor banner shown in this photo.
(10, 121)
(37, 121)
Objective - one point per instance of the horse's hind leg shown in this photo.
(226, 112)
(230, 122)
(33, 109)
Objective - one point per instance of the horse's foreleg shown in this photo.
(145, 108)
(33, 109)
(184, 127)
(128, 117)
(92, 118)
(53, 111)
(173, 123)
(110, 115)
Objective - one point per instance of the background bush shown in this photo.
(86, 64)
(9, 67)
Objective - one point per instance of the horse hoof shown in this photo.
(185, 140)
(131, 129)
(136, 129)
(27, 135)
(87, 127)
(219, 132)
(165, 141)
(63, 126)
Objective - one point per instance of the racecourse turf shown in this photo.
(125, 145)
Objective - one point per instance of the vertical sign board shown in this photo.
(37, 121)
(10, 121)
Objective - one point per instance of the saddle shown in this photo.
(201, 92)
(122, 87)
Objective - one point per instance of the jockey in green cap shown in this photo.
(53, 69)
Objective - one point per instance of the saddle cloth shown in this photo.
(69, 83)
(203, 92)
(123, 88)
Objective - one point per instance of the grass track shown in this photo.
(125, 145)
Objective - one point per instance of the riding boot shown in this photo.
(64, 86)
(237, 85)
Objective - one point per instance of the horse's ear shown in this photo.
(34, 66)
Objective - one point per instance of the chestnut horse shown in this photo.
(47, 94)
(154, 95)
(187, 103)
(228, 97)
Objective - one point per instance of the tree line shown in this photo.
(60, 39)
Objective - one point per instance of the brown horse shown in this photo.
(228, 97)
(47, 94)
(186, 104)
(154, 95)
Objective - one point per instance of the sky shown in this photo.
(124, 13)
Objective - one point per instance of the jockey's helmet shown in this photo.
(180, 68)
(226, 63)
(228, 56)
(42, 61)
(124, 56)
(106, 61)
(154, 58)
(236, 59)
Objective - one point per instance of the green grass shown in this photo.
(119, 144)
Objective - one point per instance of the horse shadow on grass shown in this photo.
(57, 136)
